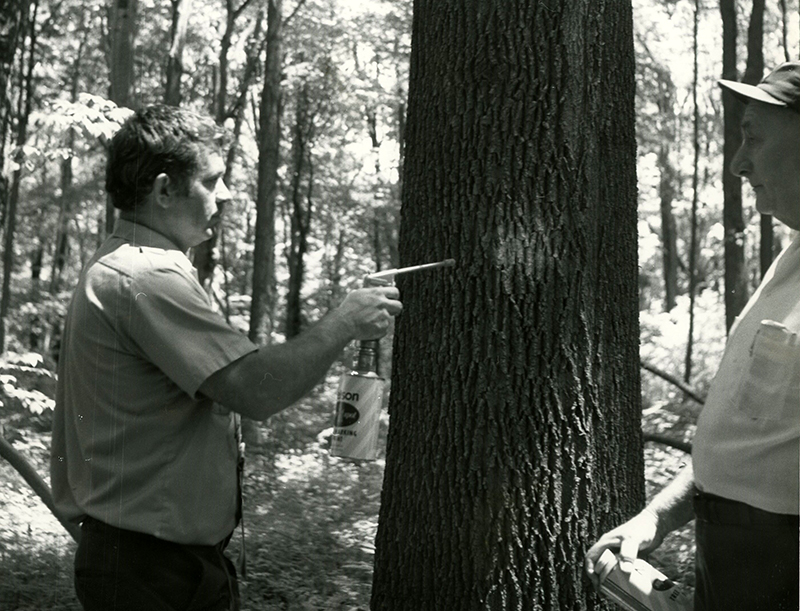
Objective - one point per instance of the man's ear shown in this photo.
(162, 188)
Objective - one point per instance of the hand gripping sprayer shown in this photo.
(360, 396)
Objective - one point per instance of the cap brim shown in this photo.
(750, 92)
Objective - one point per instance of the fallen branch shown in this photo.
(684, 446)
(35, 481)
(673, 380)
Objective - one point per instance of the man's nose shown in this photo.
(740, 165)
(222, 194)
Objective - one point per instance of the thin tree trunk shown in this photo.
(12, 23)
(736, 292)
(24, 107)
(752, 75)
(204, 256)
(687, 376)
(669, 232)
(300, 211)
(335, 271)
(62, 229)
(65, 199)
(180, 20)
(515, 434)
(263, 299)
(784, 30)
(122, 30)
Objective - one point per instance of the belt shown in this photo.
(719, 510)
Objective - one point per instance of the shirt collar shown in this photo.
(140, 235)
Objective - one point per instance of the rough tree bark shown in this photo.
(515, 412)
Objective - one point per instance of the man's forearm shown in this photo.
(269, 380)
(673, 505)
(283, 373)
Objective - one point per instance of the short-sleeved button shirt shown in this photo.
(747, 443)
(133, 444)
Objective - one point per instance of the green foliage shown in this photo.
(27, 393)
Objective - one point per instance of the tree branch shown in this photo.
(294, 12)
(684, 446)
(35, 481)
(673, 380)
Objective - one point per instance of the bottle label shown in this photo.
(358, 409)
(643, 589)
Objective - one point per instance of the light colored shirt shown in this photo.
(133, 444)
(747, 443)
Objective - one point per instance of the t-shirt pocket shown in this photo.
(770, 385)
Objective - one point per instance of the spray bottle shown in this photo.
(643, 589)
(360, 396)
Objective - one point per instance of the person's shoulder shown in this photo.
(142, 265)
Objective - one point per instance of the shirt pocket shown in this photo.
(770, 385)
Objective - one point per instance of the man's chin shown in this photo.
(763, 206)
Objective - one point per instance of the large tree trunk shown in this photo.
(269, 134)
(515, 411)
(736, 292)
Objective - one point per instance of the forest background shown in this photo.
(330, 77)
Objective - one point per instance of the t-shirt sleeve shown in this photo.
(173, 324)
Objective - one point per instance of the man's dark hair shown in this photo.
(157, 139)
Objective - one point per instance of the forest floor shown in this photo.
(310, 519)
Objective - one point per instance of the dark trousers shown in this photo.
(121, 570)
(746, 558)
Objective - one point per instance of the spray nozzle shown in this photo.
(386, 278)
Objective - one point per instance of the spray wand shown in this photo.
(360, 396)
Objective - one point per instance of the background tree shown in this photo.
(24, 106)
(499, 463)
(12, 19)
(122, 36)
(269, 138)
(181, 9)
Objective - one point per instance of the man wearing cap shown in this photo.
(743, 482)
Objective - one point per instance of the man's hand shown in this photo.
(639, 534)
(369, 311)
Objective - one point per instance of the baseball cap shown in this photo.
(781, 87)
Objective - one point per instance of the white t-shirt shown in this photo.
(747, 443)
